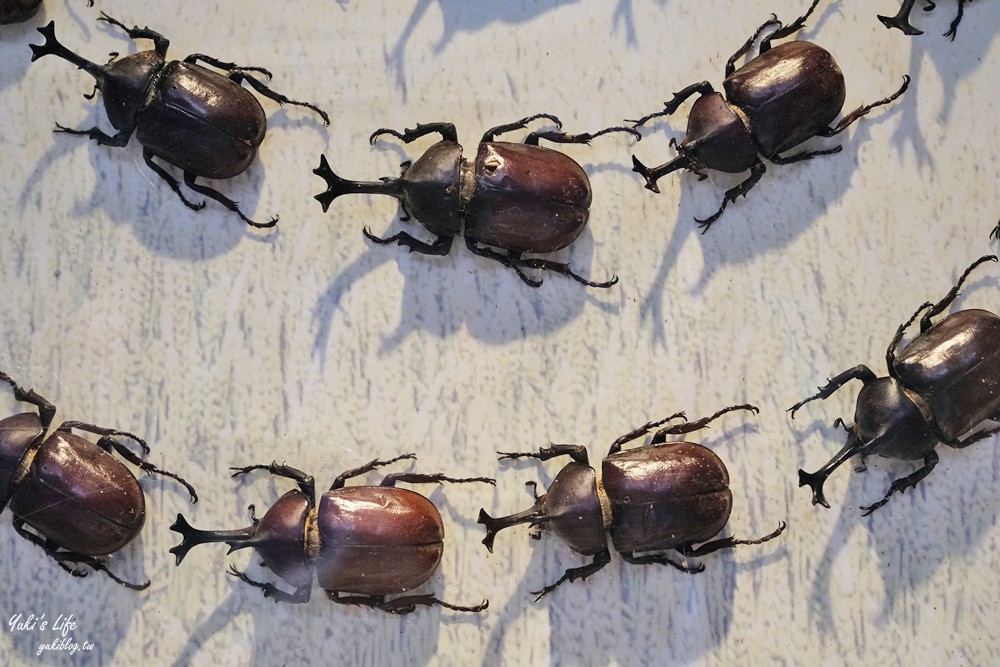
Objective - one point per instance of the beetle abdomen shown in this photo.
(527, 198)
(80, 497)
(955, 367)
(202, 122)
(666, 496)
(377, 540)
(789, 94)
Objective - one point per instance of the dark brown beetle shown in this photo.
(371, 541)
(901, 20)
(670, 495)
(198, 120)
(942, 385)
(79, 500)
(775, 102)
(15, 11)
(519, 198)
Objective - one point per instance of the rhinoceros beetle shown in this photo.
(198, 120)
(518, 198)
(778, 100)
(901, 20)
(79, 500)
(670, 495)
(368, 541)
(940, 386)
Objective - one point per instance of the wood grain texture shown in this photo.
(223, 346)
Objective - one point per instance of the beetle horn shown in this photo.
(534, 516)
(53, 47)
(336, 186)
(652, 175)
(816, 479)
(192, 537)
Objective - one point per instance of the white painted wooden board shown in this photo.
(223, 346)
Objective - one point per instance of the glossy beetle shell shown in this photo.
(717, 136)
(431, 188)
(886, 415)
(17, 433)
(79, 496)
(280, 537)
(955, 367)
(573, 509)
(15, 11)
(789, 94)
(527, 198)
(377, 540)
(202, 122)
(666, 496)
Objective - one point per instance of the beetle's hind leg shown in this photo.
(601, 559)
(239, 76)
(904, 483)
(493, 132)
(229, 67)
(102, 138)
(171, 181)
(401, 605)
(517, 263)
(863, 110)
(690, 551)
(953, 29)
(62, 557)
(581, 138)
(189, 180)
(300, 596)
(662, 559)
(46, 411)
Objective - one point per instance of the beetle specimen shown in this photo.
(15, 11)
(518, 198)
(198, 120)
(79, 500)
(371, 541)
(943, 384)
(670, 495)
(902, 19)
(775, 102)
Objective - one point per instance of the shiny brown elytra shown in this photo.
(362, 544)
(668, 496)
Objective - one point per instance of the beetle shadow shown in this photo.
(953, 61)
(14, 52)
(624, 18)
(461, 16)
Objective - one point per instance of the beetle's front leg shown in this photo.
(160, 43)
(690, 551)
(300, 596)
(756, 172)
(901, 20)
(859, 372)
(702, 87)
(306, 482)
(119, 140)
(441, 245)
(576, 452)
(601, 559)
(446, 130)
(910, 481)
(239, 76)
(863, 110)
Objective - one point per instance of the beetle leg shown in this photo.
(972, 439)
(446, 130)
(160, 43)
(787, 30)
(306, 482)
(441, 245)
(119, 140)
(662, 559)
(101, 430)
(583, 138)
(702, 87)
(229, 67)
(189, 180)
(953, 30)
(46, 411)
(859, 372)
(943, 304)
(601, 559)
(492, 133)
(757, 170)
(698, 424)
(401, 605)
(901, 19)
(431, 478)
(727, 543)
(366, 468)
(145, 466)
(804, 155)
(170, 180)
(910, 481)
(576, 452)
(300, 596)
(863, 110)
(616, 446)
(745, 49)
(517, 263)
(239, 76)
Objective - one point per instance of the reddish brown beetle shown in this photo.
(367, 541)
(79, 500)
(671, 495)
